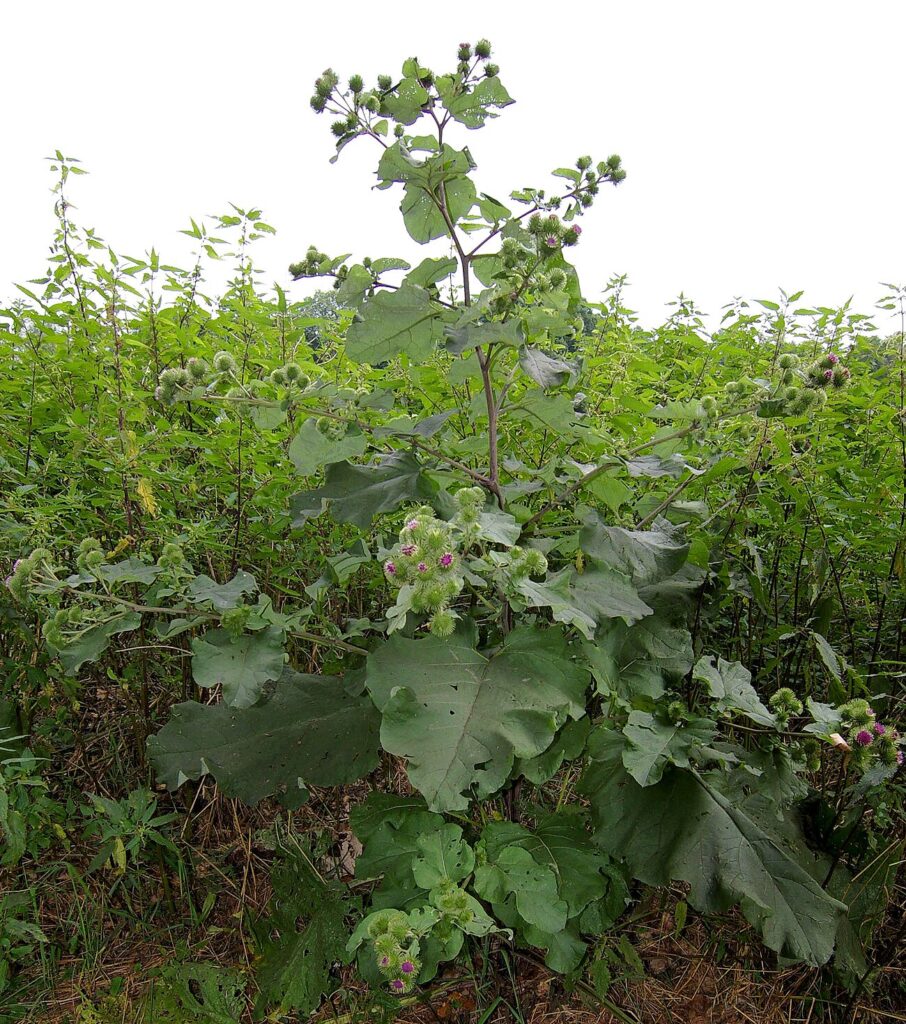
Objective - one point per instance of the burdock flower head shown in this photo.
(864, 738)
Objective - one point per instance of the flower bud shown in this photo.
(356, 83)
(483, 49)
(443, 623)
(197, 368)
(223, 362)
(384, 82)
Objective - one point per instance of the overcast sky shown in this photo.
(764, 141)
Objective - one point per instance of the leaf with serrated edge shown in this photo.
(684, 829)
(461, 716)
(309, 731)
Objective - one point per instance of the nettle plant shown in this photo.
(530, 662)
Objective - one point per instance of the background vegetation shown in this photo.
(191, 504)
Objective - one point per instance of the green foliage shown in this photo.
(302, 937)
(311, 730)
(664, 583)
(685, 828)
(462, 716)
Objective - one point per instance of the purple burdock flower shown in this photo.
(576, 229)
(900, 757)
(397, 984)
(864, 738)
(390, 568)
(833, 359)
(551, 241)
(446, 559)
(407, 967)
(828, 374)
(385, 960)
(879, 729)
(412, 524)
(422, 566)
(408, 549)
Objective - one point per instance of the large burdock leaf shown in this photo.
(390, 829)
(204, 592)
(731, 683)
(585, 600)
(653, 744)
(311, 449)
(91, 644)
(548, 371)
(639, 660)
(356, 494)
(392, 323)
(461, 716)
(645, 556)
(311, 730)
(240, 664)
(684, 829)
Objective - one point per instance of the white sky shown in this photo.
(764, 141)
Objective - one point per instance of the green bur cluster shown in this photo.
(872, 741)
(796, 393)
(21, 580)
(396, 948)
(785, 705)
(425, 565)
(178, 382)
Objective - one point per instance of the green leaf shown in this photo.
(684, 829)
(645, 556)
(534, 886)
(498, 528)
(94, 641)
(240, 664)
(492, 209)
(129, 570)
(391, 829)
(827, 654)
(585, 600)
(311, 449)
(207, 994)
(559, 842)
(405, 103)
(303, 936)
(653, 744)
(421, 212)
(356, 494)
(655, 466)
(636, 660)
(443, 857)
(392, 323)
(472, 107)
(545, 370)
(207, 593)
(431, 270)
(470, 335)
(568, 745)
(731, 683)
(565, 949)
(461, 716)
(309, 731)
